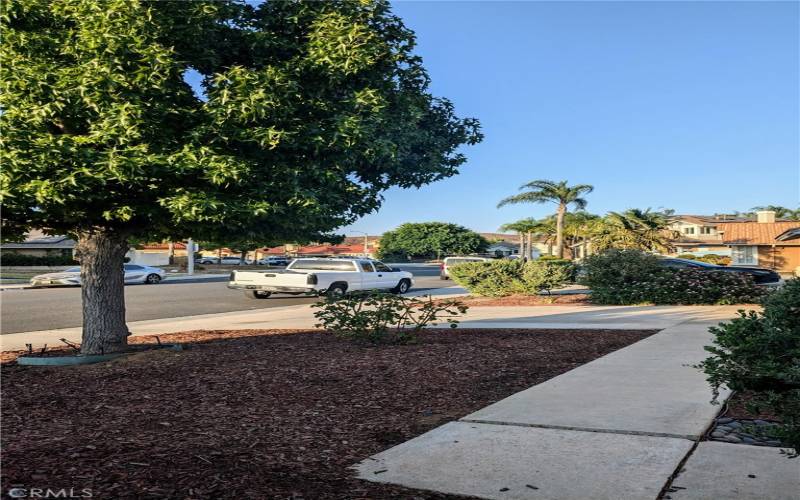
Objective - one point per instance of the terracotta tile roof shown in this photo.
(324, 249)
(755, 233)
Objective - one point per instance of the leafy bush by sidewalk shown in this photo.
(624, 277)
(379, 318)
(760, 352)
(500, 278)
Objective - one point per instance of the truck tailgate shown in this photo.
(272, 278)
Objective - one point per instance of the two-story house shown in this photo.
(699, 234)
(765, 242)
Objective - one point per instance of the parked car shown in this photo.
(274, 261)
(448, 262)
(322, 276)
(234, 261)
(762, 276)
(229, 260)
(134, 273)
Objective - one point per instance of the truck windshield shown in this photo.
(323, 265)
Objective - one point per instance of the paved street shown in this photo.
(49, 308)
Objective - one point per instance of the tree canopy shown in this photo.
(634, 229)
(310, 111)
(429, 240)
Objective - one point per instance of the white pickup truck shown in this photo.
(322, 276)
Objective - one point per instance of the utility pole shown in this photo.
(366, 242)
(189, 257)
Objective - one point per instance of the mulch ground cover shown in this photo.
(737, 407)
(263, 414)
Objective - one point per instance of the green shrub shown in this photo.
(617, 276)
(16, 259)
(760, 352)
(544, 275)
(500, 278)
(625, 277)
(376, 317)
(694, 286)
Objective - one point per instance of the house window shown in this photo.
(744, 255)
(706, 230)
(688, 230)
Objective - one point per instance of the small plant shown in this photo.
(381, 318)
(760, 353)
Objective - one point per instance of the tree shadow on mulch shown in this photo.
(264, 414)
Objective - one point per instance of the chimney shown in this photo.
(765, 216)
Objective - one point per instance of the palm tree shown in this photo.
(561, 193)
(526, 228)
(635, 229)
(520, 227)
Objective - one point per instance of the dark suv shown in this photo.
(761, 276)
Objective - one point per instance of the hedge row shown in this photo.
(624, 277)
(15, 259)
(499, 278)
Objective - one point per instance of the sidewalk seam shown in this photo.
(583, 429)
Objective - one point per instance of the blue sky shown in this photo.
(692, 106)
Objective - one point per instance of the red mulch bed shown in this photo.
(736, 407)
(577, 299)
(264, 414)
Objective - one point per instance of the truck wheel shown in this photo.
(257, 294)
(402, 287)
(336, 291)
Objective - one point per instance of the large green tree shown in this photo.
(425, 240)
(560, 193)
(308, 112)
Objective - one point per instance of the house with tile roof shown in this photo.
(764, 242)
(699, 234)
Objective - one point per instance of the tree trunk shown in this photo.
(102, 255)
(530, 246)
(171, 254)
(243, 257)
(560, 230)
(521, 245)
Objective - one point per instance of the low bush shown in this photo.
(624, 277)
(16, 259)
(617, 276)
(500, 278)
(381, 318)
(760, 352)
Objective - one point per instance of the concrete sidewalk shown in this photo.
(302, 316)
(618, 427)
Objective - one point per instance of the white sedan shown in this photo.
(134, 273)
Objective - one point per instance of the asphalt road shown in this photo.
(26, 310)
